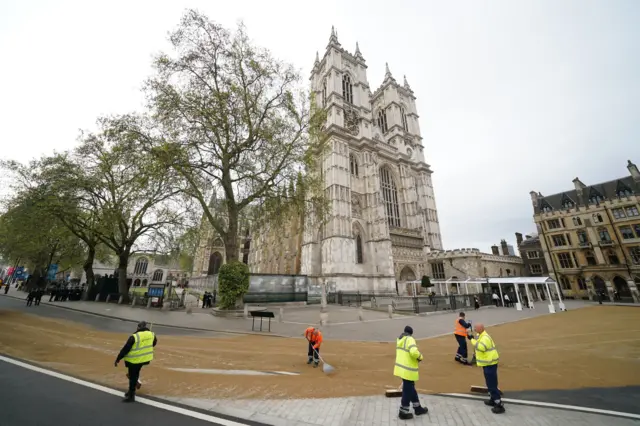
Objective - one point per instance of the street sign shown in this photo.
(19, 273)
(155, 291)
(53, 270)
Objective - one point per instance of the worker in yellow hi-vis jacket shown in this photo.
(137, 352)
(407, 358)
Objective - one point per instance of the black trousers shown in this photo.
(409, 395)
(134, 375)
(313, 353)
(462, 347)
(491, 380)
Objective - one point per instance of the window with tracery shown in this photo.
(353, 165)
(382, 121)
(390, 197)
(347, 89)
(141, 266)
(157, 275)
(405, 125)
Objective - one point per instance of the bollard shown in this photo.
(133, 302)
(97, 297)
(246, 311)
(360, 314)
(390, 311)
(149, 303)
(120, 299)
(108, 298)
(281, 314)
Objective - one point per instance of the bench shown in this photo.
(261, 315)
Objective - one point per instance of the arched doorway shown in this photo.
(600, 287)
(215, 261)
(621, 286)
(406, 275)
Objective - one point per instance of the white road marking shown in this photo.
(234, 372)
(161, 405)
(552, 405)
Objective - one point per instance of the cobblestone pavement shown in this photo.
(381, 411)
(344, 323)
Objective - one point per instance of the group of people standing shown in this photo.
(208, 299)
(408, 358)
(35, 296)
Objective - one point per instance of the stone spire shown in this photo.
(387, 73)
(358, 53)
(317, 58)
(406, 84)
(334, 37)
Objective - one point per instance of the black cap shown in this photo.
(461, 314)
(142, 324)
(408, 330)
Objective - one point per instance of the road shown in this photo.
(97, 322)
(31, 398)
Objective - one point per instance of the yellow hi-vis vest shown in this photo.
(142, 349)
(407, 356)
(486, 352)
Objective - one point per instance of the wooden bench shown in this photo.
(261, 315)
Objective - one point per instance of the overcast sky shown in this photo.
(513, 96)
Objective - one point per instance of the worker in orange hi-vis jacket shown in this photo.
(314, 337)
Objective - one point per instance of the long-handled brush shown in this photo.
(326, 368)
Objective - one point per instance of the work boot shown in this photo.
(129, 398)
(310, 361)
(405, 415)
(498, 409)
(315, 364)
(420, 410)
(490, 403)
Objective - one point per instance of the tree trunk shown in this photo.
(231, 239)
(122, 276)
(88, 271)
(46, 271)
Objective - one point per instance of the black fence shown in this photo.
(266, 297)
(417, 305)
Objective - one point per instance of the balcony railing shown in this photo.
(606, 243)
(584, 244)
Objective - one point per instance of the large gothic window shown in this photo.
(157, 275)
(390, 197)
(405, 125)
(215, 261)
(347, 89)
(141, 266)
(353, 165)
(324, 93)
(382, 121)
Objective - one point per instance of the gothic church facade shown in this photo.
(383, 220)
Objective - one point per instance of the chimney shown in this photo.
(633, 170)
(505, 249)
(534, 199)
(518, 238)
(495, 250)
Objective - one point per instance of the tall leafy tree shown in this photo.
(235, 124)
(136, 197)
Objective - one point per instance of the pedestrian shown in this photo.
(507, 301)
(38, 298)
(30, 296)
(496, 299)
(476, 303)
(487, 357)
(460, 332)
(407, 358)
(314, 337)
(6, 287)
(137, 352)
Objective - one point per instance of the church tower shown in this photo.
(383, 219)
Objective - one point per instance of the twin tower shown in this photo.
(383, 220)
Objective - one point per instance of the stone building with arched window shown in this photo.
(384, 219)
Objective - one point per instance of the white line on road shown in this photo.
(161, 405)
(552, 405)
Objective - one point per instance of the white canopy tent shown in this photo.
(443, 288)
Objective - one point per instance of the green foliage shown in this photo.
(426, 282)
(233, 282)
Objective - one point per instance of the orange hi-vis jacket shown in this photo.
(460, 330)
(314, 336)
